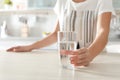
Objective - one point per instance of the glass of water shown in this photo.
(66, 41)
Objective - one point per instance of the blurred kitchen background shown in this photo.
(26, 21)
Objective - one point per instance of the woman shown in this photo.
(101, 11)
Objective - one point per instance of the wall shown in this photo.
(41, 3)
(116, 3)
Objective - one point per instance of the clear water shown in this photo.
(65, 59)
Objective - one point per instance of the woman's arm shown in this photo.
(103, 27)
(50, 39)
(83, 56)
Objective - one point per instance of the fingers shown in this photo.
(19, 49)
(82, 63)
(80, 57)
(79, 51)
(11, 49)
(14, 49)
(79, 61)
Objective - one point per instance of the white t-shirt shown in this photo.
(81, 17)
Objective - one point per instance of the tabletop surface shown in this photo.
(45, 65)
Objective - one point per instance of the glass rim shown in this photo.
(67, 31)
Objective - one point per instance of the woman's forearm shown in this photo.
(50, 39)
(98, 45)
(103, 27)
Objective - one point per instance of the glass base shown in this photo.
(71, 67)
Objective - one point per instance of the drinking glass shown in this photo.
(66, 41)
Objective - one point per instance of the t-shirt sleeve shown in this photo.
(106, 6)
(57, 7)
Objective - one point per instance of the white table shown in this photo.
(44, 65)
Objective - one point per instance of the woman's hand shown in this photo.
(20, 49)
(79, 57)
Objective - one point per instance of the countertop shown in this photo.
(45, 65)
